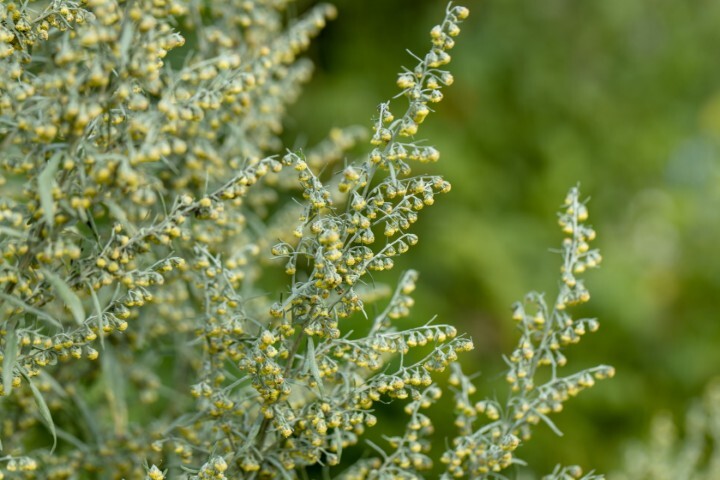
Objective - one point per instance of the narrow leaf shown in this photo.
(43, 409)
(9, 358)
(550, 424)
(72, 439)
(314, 370)
(280, 468)
(99, 315)
(46, 181)
(11, 232)
(338, 442)
(67, 295)
(115, 389)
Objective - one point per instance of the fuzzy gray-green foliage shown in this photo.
(144, 206)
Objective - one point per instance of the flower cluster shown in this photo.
(309, 388)
(485, 448)
(126, 159)
(147, 205)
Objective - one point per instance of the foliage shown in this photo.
(144, 192)
(667, 455)
(620, 96)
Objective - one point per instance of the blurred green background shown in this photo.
(620, 96)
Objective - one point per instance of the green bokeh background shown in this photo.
(620, 96)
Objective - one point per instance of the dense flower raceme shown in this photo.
(484, 448)
(142, 194)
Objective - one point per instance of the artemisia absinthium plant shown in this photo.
(317, 383)
(485, 448)
(135, 199)
(135, 135)
(131, 133)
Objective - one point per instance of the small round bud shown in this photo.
(461, 12)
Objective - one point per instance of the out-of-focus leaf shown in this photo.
(99, 314)
(67, 295)
(115, 391)
(11, 232)
(312, 363)
(42, 408)
(46, 180)
(9, 358)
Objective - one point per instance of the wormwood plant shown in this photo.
(695, 455)
(144, 208)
